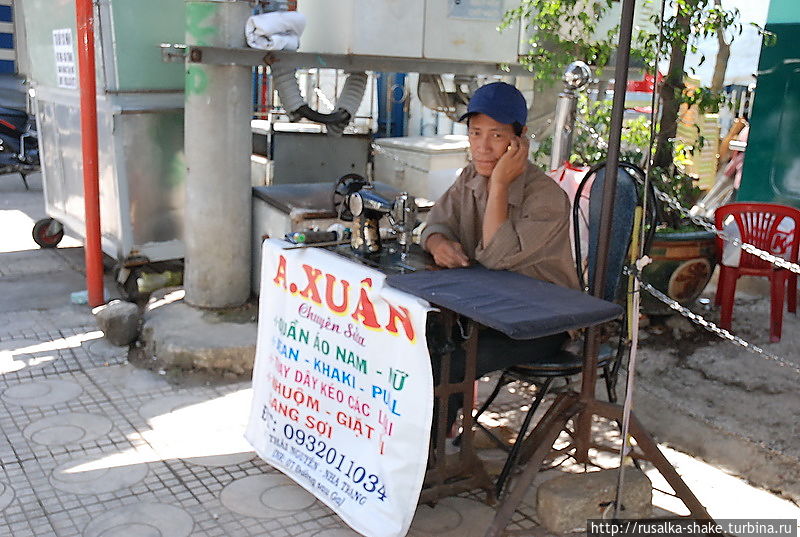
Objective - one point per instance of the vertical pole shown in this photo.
(576, 76)
(398, 112)
(563, 124)
(384, 108)
(218, 143)
(93, 253)
(589, 374)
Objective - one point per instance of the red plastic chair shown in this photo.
(763, 226)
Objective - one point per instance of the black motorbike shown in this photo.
(19, 144)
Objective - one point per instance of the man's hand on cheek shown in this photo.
(512, 163)
(446, 253)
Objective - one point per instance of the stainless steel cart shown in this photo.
(140, 125)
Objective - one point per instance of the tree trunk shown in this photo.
(721, 64)
(671, 88)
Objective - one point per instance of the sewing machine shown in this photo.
(355, 200)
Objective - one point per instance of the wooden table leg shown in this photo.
(464, 471)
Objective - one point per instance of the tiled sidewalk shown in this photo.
(92, 446)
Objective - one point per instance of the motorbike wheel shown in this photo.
(48, 232)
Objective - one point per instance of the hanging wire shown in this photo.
(640, 263)
(654, 107)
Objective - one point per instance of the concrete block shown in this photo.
(119, 321)
(565, 503)
(183, 337)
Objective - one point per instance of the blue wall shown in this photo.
(6, 40)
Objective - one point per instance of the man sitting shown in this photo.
(504, 213)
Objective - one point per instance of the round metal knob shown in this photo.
(576, 75)
(356, 204)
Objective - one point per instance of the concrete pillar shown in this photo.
(576, 76)
(218, 146)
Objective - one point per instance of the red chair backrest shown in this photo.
(758, 224)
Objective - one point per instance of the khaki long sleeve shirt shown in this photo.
(534, 241)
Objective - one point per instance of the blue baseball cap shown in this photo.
(500, 101)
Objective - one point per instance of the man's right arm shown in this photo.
(446, 253)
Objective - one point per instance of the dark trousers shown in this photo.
(496, 351)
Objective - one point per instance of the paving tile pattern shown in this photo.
(83, 453)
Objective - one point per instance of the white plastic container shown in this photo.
(441, 156)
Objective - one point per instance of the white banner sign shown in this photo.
(66, 73)
(342, 386)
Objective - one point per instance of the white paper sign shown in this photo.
(66, 72)
(342, 386)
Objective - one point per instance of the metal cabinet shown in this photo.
(140, 122)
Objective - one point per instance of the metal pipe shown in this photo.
(217, 218)
(576, 76)
(93, 253)
(589, 374)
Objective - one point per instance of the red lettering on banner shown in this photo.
(331, 392)
(365, 310)
(322, 427)
(301, 377)
(284, 409)
(354, 424)
(330, 283)
(405, 318)
(312, 275)
(280, 276)
(358, 406)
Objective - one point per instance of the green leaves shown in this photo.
(706, 100)
(591, 135)
(562, 31)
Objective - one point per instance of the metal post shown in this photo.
(576, 76)
(93, 252)
(218, 145)
(589, 374)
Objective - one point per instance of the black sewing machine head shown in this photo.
(354, 200)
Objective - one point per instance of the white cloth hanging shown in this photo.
(277, 30)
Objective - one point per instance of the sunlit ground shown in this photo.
(14, 219)
(723, 495)
(182, 428)
(196, 430)
(17, 355)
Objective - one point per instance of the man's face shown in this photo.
(488, 141)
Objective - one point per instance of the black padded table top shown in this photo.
(518, 306)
